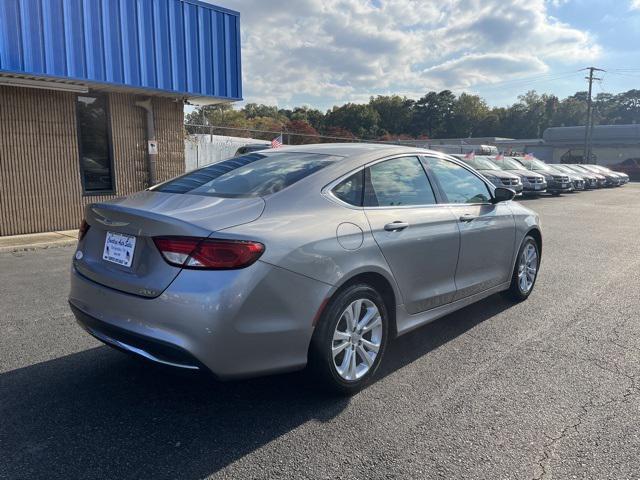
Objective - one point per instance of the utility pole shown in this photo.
(586, 157)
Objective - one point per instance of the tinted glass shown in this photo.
(93, 136)
(511, 164)
(255, 174)
(398, 182)
(459, 184)
(480, 163)
(350, 189)
(540, 165)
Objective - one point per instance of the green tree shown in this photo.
(205, 119)
(312, 116)
(468, 113)
(433, 114)
(252, 110)
(361, 120)
(395, 113)
(571, 111)
(628, 107)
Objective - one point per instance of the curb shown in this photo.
(37, 241)
(38, 246)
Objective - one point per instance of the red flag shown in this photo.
(500, 157)
(470, 156)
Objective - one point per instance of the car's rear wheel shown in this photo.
(350, 340)
(526, 269)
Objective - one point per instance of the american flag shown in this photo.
(528, 156)
(500, 157)
(470, 156)
(277, 142)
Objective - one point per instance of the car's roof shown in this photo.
(353, 149)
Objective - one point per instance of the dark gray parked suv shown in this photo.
(557, 182)
(532, 183)
(492, 172)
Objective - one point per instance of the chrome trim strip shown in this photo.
(327, 189)
(138, 351)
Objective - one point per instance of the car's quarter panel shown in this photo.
(422, 256)
(255, 320)
(315, 236)
(486, 246)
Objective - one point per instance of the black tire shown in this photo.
(555, 194)
(515, 292)
(321, 363)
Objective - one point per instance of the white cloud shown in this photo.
(346, 50)
(635, 5)
(474, 69)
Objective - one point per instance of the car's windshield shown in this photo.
(255, 174)
(481, 163)
(564, 169)
(509, 164)
(540, 165)
(579, 168)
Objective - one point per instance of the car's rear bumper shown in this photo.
(146, 347)
(235, 323)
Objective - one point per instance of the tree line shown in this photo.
(435, 115)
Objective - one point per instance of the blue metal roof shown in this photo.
(177, 46)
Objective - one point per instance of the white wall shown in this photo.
(202, 149)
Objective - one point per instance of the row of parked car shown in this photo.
(530, 176)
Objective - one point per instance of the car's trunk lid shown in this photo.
(136, 219)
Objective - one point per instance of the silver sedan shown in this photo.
(310, 256)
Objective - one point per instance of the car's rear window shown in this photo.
(255, 174)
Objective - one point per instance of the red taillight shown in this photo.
(84, 228)
(207, 253)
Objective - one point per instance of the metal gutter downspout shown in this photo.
(152, 143)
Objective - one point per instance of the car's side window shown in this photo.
(350, 190)
(457, 183)
(397, 182)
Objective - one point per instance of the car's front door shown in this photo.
(418, 238)
(487, 230)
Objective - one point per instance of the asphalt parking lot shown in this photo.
(543, 389)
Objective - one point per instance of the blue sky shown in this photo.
(326, 52)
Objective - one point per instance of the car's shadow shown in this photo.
(98, 413)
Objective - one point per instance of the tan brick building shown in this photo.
(92, 97)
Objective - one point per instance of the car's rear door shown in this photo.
(418, 237)
(487, 230)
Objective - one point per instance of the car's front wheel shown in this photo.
(350, 339)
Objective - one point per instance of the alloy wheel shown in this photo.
(357, 339)
(527, 268)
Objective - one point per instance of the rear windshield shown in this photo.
(255, 174)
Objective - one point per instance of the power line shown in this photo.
(626, 74)
(531, 81)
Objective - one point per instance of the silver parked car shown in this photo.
(312, 255)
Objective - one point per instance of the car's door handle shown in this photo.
(394, 226)
(468, 218)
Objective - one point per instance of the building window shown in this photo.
(96, 166)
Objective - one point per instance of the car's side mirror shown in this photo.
(501, 194)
